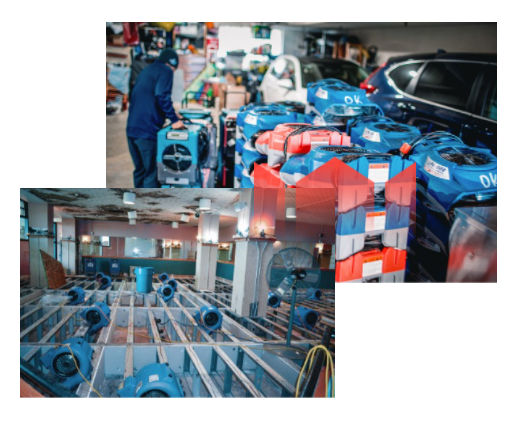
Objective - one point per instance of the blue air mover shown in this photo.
(264, 118)
(381, 134)
(305, 317)
(314, 294)
(144, 275)
(99, 275)
(163, 277)
(115, 267)
(209, 317)
(76, 296)
(179, 153)
(173, 283)
(60, 361)
(97, 316)
(166, 292)
(153, 380)
(449, 174)
(333, 102)
(104, 282)
(250, 158)
(388, 222)
(274, 300)
(377, 167)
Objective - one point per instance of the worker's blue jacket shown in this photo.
(150, 102)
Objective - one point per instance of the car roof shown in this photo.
(322, 59)
(475, 57)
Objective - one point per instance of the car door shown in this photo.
(480, 131)
(439, 95)
(272, 92)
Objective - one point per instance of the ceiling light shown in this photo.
(175, 225)
(132, 222)
(185, 218)
(129, 198)
(132, 214)
(291, 213)
(204, 204)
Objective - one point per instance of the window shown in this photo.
(279, 68)
(24, 220)
(105, 241)
(447, 83)
(140, 248)
(349, 72)
(490, 106)
(402, 75)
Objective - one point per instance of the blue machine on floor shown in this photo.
(450, 174)
(187, 157)
(144, 277)
(196, 114)
(115, 267)
(305, 317)
(333, 102)
(166, 291)
(314, 294)
(76, 295)
(361, 160)
(61, 361)
(163, 277)
(209, 317)
(89, 266)
(104, 282)
(274, 300)
(97, 316)
(250, 158)
(153, 380)
(381, 134)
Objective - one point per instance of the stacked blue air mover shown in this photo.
(252, 121)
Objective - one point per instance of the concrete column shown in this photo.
(207, 252)
(69, 246)
(41, 215)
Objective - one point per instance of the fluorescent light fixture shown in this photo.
(204, 204)
(175, 225)
(291, 213)
(185, 218)
(132, 214)
(129, 198)
(132, 222)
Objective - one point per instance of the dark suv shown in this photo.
(452, 92)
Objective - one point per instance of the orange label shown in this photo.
(374, 214)
(379, 166)
(373, 259)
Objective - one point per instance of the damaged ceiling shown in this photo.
(153, 206)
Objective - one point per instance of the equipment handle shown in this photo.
(309, 128)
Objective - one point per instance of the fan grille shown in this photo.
(74, 295)
(155, 394)
(464, 156)
(93, 317)
(311, 318)
(64, 365)
(286, 261)
(167, 291)
(211, 319)
(177, 157)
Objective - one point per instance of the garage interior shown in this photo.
(177, 290)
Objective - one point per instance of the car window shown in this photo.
(349, 72)
(490, 106)
(402, 75)
(289, 72)
(278, 68)
(447, 83)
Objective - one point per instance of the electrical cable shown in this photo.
(329, 367)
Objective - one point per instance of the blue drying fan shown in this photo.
(76, 295)
(173, 283)
(153, 380)
(163, 277)
(274, 300)
(97, 316)
(209, 317)
(105, 281)
(166, 292)
(314, 294)
(60, 361)
(306, 318)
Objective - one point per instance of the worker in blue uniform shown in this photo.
(150, 105)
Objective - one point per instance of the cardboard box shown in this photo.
(233, 97)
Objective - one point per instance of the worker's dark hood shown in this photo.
(168, 56)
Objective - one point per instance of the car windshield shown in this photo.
(349, 72)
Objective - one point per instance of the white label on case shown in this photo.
(372, 267)
(153, 377)
(379, 172)
(375, 221)
(371, 135)
(439, 171)
(321, 94)
(251, 119)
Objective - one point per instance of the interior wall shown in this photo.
(226, 233)
(24, 258)
(123, 229)
(302, 232)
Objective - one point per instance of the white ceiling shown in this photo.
(153, 206)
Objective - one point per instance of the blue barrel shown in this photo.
(144, 278)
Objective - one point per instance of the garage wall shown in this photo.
(465, 38)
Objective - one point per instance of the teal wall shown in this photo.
(227, 271)
(171, 267)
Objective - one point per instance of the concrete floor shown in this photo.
(119, 166)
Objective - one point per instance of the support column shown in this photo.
(207, 252)
(41, 215)
(69, 246)
(253, 254)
